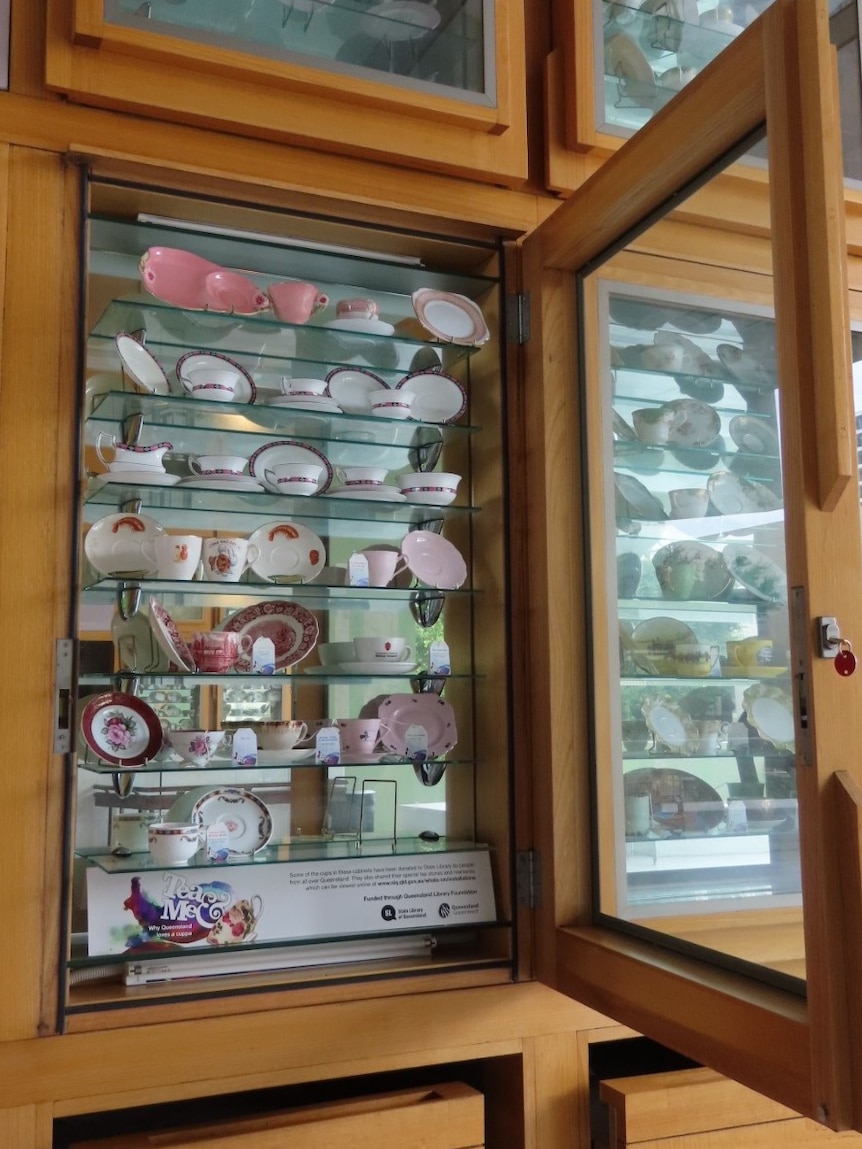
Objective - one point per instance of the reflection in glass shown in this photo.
(429, 45)
(700, 789)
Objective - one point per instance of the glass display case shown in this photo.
(285, 559)
(440, 84)
(704, 771)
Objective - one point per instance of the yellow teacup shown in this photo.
(750, 652)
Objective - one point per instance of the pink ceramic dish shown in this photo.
(232, 292)
(176, 277)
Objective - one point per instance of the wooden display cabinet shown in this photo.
(440, 88)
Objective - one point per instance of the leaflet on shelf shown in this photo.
(183, 908)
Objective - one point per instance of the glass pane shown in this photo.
(695, 773)
(844, 33)
(652, 49)
(441, 46)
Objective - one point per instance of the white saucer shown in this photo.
(384, 494)
(363, 326)
(243, 484)
(350, 387)
(381, 667)
(142, 477)
(319, 404)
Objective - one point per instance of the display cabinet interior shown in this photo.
(179, 468)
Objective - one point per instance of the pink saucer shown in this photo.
(434, 560)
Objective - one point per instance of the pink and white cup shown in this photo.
(227, 560)
(196, 747)
(218, 466)
(216, 384)
(294, 478)
(303, 387)
(391, 403)
(216, 651)
(295, 301)
(358, 308)
(358, 735)
(173, 843)
(383, 565)
(359, 477)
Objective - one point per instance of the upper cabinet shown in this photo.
(698, 518)
(434, 84)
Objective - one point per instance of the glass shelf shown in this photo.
(293, 677)
(238, 594)
(268, 760)
(316, 850)
(636, 608)
(259, 422)
(262, 343)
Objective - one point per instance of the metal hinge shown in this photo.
(64, 659)
(528, 878)
(517, 318)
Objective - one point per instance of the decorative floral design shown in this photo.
(118, 730)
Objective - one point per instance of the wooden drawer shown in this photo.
(449, 1116)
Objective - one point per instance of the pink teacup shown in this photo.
(358, 735)
(296, 302)
(216, 651)
(356, 309)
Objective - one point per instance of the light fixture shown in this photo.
(277, 240)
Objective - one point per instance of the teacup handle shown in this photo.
(319, 303)
(407, 654)
(252, 555)
(112, 441)
(194, 465)
(244, 643)
(304, 733)
(271, 480)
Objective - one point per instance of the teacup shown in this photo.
(294, 478)
(216, 651)
(303, 386)
(381, 649)
(383, 565)
(334, 653)
(356, 309)
(361, 476)
(296, 302)
(437, 488)
(226, 560)
(638, 813)
(688, 502)
(194, 746)
(358, 735)
(177, 556)
(280, 735)
(216, 383)
(173, 843)
(653, 425)
(391, 402)
(750, 652)
(238, 923)
(709, 733)
(230, 466)
(695, 659)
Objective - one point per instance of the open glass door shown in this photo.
(699, 495)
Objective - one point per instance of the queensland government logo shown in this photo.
(444, 909)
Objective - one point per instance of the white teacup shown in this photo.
(177, 556)
(173, 843)
(231, 466)
(391, 403)
(383, 565)
(218, 384)
(226, 560)
(653, 425)
(688, 502)
(130, 832)
(334, 653)
(638, 813)
(303, 386)
(280, 735)
(381, 649)
(294, 478)
(437, 488)
(361, 476)
(194, 746)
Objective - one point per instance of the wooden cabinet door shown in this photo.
(434, 86)
(669, 210)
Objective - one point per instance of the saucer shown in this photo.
(143, 368)
(242, 484)
(363, 326)
(140, 477)
(383, 493)
(289, 451)
(246, 391)
(117, 544)
(437, 397)
(434, 560)
(287, 549)
(350, 387)
(381, 667)
(303, 403)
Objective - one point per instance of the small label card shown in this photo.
(327, 746)
(244, 747)
(218, 842)
(439, 661)
(357, 570)
(416, 739)
(263, 656)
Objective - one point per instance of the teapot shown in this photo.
(129, 457)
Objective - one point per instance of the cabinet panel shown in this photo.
(353, 77)
(403, 798)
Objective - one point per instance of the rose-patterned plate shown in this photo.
(121, 729)
(292, 628)
(169, 638)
